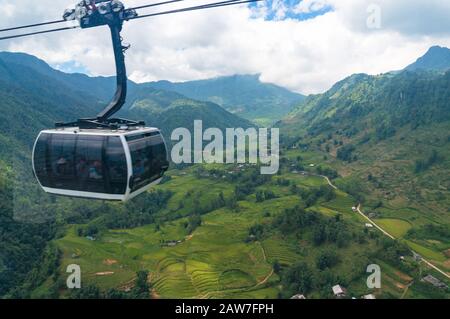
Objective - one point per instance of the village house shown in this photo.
(339, 292)
(434, 281)
(417, 257)
(299, 296)
(373, 215)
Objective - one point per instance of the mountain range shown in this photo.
(243, 95)
(437, 58)
(386, 137)
(35, 96)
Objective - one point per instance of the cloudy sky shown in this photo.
(304, 45)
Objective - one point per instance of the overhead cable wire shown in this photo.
(194, 8)
(156, 4)
(32, 25)
(200, 7)
(38, 32)
(62, 20)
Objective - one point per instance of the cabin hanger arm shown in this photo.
(119, 98)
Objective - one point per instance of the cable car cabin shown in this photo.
(99, 164)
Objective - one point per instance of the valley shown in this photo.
(371, 149)
(223, 258)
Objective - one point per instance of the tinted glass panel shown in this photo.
(61, 163)
(82, 163)
(40, 160)
(90, 170)
(116, 165)
(148, 157)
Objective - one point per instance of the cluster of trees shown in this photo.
(345, 153)
(332, 231)
(304, 278)
(22, 245)
(385, 131)
(202, 207)
(312, 195)
(327, 171)
(354, 187)
(141, 211)
(424, 164)
(47, 265)
(327, 259)
(194, 221)
(297, 279)
(283, 182)
(248, 181)
(391, 251)
(255, 233)
(263, 195)
(298, 221)
(141, 290)
(431, 231)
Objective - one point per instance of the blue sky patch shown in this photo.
(71, 67)
(288, 9)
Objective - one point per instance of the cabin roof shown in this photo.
(77, 130)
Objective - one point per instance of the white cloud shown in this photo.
(308, 6)
(306, 56)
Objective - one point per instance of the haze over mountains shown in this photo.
(35, 96)
(244, 95)
(436, 59)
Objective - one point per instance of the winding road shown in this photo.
(358, 210)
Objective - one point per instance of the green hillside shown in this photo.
(34, 97)
(244, 95)
(236, 237)
(436, 59)
(169, 110)
(226, 231)
(388, 138)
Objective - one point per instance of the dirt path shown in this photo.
(329, 181)
(406, 289)
(262, 282)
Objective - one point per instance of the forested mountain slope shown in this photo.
(244, 95)
(388, 136)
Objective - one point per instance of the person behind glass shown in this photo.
(61, 165)
(82, 172)
(95, 171)
(138, 168)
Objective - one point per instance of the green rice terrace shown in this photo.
(229, 232)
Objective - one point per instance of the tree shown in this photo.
(298, 279)
(88, 292)
(276, 267)
(345, 152)
(194, 221)
(115, 294)
(319, 235)
(327, 259)
(142, 286)
(259, 196)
